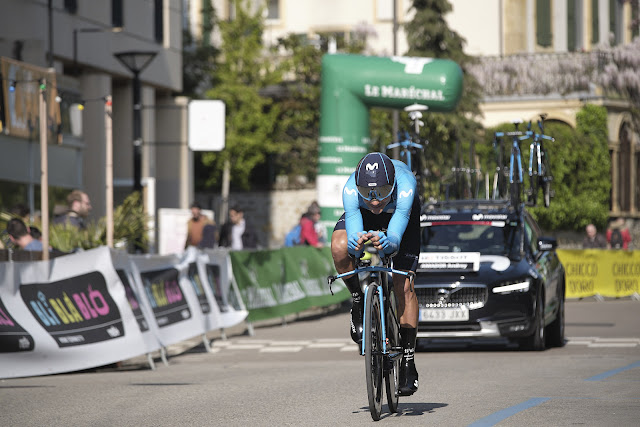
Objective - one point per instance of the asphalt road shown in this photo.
(308, 373)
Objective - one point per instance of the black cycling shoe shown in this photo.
(355, 326)
(408, 378)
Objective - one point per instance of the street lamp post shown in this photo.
(136, 61)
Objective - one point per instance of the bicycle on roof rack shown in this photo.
(411, 147)
(463, 182)
(512, 174)
(381, 344)
(540, 176)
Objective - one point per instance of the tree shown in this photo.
(581, 168)
(620, 74)
(428, 35)
(298, 101)
(250, 117)
(199, 56)
(299, 109)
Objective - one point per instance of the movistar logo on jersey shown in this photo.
(405, 194)
(351, 192)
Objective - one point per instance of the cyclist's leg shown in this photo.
(343, 263)
(407, 260)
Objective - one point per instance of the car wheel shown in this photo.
(555, 332)
(536, 341)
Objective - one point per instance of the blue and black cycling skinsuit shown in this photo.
(400, 217)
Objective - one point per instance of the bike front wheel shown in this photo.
(373, 351)
(392, 373)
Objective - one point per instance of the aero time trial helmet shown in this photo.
(375, 176)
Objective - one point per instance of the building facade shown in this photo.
(75, 44)
(546, 31)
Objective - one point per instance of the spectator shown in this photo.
(618, 235)
(78, 208)
(196, 225)
(308, 234)
(238, 233)
(24, 213)
(209, 236)
(21, 237)
(593, 240)
(321, 230)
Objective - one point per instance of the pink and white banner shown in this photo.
(67, 314)
(102, 306)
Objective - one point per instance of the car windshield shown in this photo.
(468, 236)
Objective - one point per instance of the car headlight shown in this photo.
(505, 288)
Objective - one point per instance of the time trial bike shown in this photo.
(381, 344)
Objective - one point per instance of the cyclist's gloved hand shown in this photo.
(387, 244)
(354, 245)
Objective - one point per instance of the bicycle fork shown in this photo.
(382, 320)
(515, 153)
(387, 348)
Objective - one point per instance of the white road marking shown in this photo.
(281, 349)
(613, 344)
(245, 346)
(346, 345)
(326, 345)
(291, 343)
(634, 340)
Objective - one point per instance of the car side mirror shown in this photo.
(547, 244)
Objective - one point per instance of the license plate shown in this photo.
(455, 314)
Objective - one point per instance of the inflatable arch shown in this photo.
(351, 84)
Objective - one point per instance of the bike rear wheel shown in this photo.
(373, 351)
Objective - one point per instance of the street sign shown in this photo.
(206, 125)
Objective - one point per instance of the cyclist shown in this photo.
(379, 195)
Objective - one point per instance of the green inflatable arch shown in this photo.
(351, 84)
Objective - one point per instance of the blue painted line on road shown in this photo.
(503, 414)
(605, 375)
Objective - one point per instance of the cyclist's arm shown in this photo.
(406, 191)
(352, 216)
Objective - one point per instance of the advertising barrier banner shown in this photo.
(102, 306)
(67, 314)
(608, 273)
(216, 270)
(171, 295)
(139, 304)
(285, 281)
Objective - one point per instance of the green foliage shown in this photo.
(199, 56)
(250, 117)
(581, 171)
(298, 103)
(129, 224)
(429, 36)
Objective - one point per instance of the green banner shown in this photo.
(275, 283)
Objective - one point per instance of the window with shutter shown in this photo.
(595, 22)
(543, 23)
(571, 25)
(117, 15)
